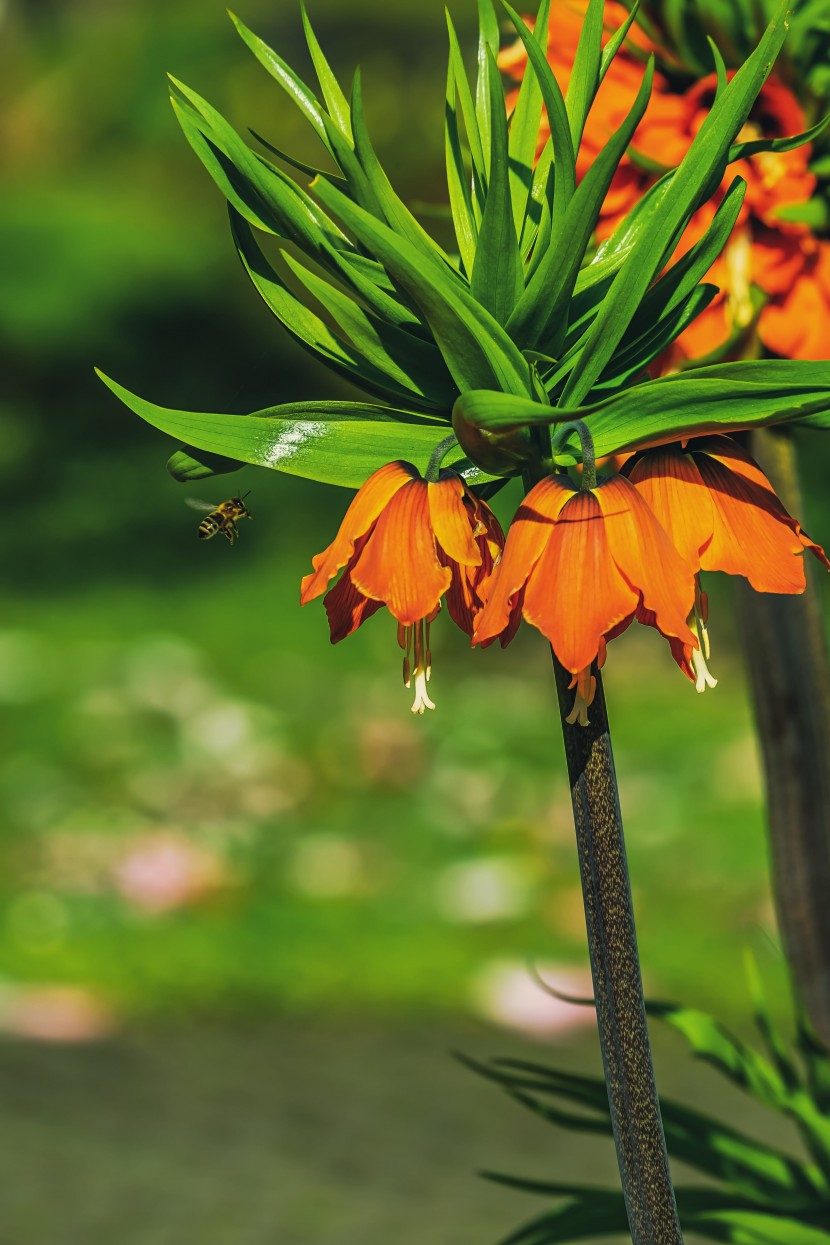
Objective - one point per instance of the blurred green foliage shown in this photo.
(170, 718)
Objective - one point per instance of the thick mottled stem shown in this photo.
(615, 965)
(783, 637)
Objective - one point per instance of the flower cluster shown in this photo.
(780, 258)
(581, 561)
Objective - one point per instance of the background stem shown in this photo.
(615, 966)
(783, 638)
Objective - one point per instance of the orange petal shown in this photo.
(399, 564)
(371, 499)
(347, 608)
(575, 594)
(669, 483)
(647, 558)
(753, 535)
(528, 534)
(453, 520)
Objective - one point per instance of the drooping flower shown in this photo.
(407, 543)
(580, 564)
(722, 514)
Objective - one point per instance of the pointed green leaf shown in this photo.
(471, 341)
(524, 125)
(413, 364)
(458, 184)
(742, 151)
(393, 209)
(701, 167)
(188, 464)
(584, 79)
(616, 41)
(308, 329)
(278, 203)
(488, 45)
(540, 319)
(468, 112)
(562, 146)
(333, 442)
(497, 270)
(303, 96)
(332, 93)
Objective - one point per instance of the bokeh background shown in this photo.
(249, 905)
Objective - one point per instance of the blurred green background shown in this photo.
(248, 903)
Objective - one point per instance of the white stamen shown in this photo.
(421, 667)
(703, 678)
(422, 700)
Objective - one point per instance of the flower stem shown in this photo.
(615, 966)
(438, 455)
(789, 669)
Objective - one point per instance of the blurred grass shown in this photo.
(166, 705)
(209, 813)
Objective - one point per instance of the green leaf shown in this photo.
(308, 169)
(333, 442)
(584, 79)
(468, 112)
(742, 151)
(562, 146)
(303, 96)
(766, 1026)
(701, 168)
(188, 464)
(488, 45)
(461, 202)
(308, 329)
(262, 193)
(720, 67)
(540, 319)
(815, 213)
(471, 341)
(524, 124)
(392, 208)
(631, 360)
(411, 363)
(723, 398)
(616, 41)
(332, 93)
(497, 279)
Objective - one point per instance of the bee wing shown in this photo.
(195, 504)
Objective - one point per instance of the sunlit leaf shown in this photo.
(333, 442)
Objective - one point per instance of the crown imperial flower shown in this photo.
(580, 564)
(722, 514)
(406, 543)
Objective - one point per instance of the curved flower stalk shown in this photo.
(504, 338)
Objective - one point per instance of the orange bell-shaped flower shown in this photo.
(580, 564)
(722, 514)
(406, 543)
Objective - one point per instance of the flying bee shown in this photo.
(221, 518)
